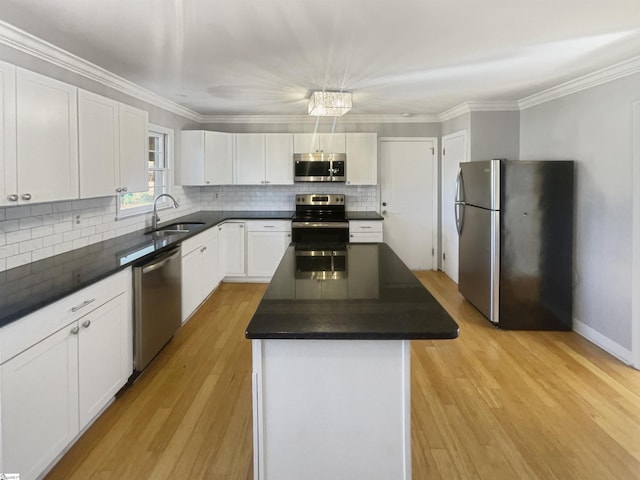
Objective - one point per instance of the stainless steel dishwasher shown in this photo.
(157, 305)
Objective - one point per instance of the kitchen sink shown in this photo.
(176, 228)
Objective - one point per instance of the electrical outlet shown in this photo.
(216, 195)
(77, 220)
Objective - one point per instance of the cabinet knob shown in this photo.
(75, 330)
(86, 323)
(26, 196)
(118, 189)
(13, 198)
(124, 189)
(384, 204)
(207, 182)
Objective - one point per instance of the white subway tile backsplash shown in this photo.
(34, 232)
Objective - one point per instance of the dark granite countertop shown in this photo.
(25, 289)
(366, 215)
(374, 297)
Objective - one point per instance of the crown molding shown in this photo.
(479, 106)
(25, 42)
(599, 77)
(306, 119)
(22, 41)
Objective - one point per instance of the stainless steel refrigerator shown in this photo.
(515, 227)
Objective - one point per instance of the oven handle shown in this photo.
(319, 224)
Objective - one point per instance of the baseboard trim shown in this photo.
(608, 345)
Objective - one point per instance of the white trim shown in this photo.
(604, 75)
(347, 119)
(603, 342)
(479, 106)
(635, 240)
(25, 42)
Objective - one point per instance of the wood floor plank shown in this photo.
(491, 404)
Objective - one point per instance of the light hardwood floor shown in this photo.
(491, 404)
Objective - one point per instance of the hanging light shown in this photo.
(329, 104)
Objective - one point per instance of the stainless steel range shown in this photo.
(320, 220)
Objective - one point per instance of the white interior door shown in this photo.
(454, 151)
(407, 193)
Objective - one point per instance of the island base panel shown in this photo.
(331, 409)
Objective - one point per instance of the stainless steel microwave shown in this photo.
(319, 167)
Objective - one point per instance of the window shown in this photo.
(159, 171)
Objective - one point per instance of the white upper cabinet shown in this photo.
(279, 158)
(264, 158)
(112, 146)
(319, 142)
(98, 145)
(206, 158)
(362, 158)
(134, 138)
(9, 177)
(250, 158)
(47, 138)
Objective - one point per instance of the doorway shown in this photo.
(408, 199)
(454, 151)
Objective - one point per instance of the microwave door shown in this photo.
(312, 171)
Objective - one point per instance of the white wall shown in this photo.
(594, 128)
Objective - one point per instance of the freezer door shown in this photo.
(480, 184)
(479, 257)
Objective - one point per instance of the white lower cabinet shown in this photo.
(266, 244)
(201, 272)
(54, 383)
(365, 231)
(232, 253)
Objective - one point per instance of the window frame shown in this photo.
(164, 203)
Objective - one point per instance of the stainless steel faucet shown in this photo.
(155, 217)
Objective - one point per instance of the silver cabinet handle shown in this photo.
(365, 226)
(86, 323)
(26, 196)
(82, 305)
(75, 330)
(269, 226)
(13, 198)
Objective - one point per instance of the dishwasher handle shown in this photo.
(161, 261)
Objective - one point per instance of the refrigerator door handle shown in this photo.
(458, 204)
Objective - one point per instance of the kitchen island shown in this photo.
(331, 363)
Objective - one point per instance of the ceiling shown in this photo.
(264, 57)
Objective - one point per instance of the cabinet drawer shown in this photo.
(269, 226)
(366, 237)
(365, 226)
(35, 327)
(193, 243)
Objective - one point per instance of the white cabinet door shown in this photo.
(104, 355)
(47, 138)
(206, 158)
(279, 158)
(250, 158)
(210, 263)
(231, 249)
(191, 165)
(39, 403)
(191, 282)
(362, 158)
(218, 158)
(319, 142)
(8, 173)
(264, 252)
(98, 141)
(134, 137)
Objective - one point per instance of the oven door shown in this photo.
(319, 232)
